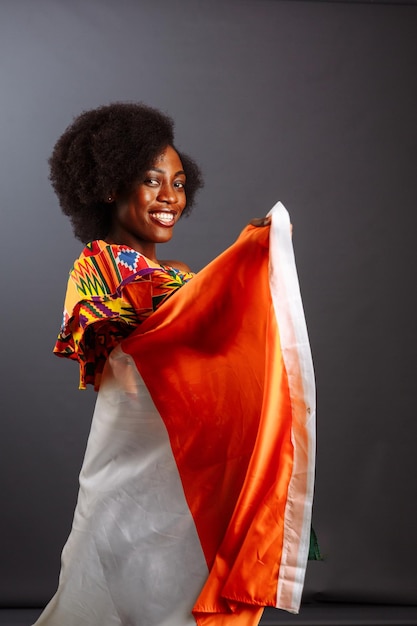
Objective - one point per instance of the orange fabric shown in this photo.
(211, 360)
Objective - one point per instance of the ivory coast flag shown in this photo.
(196, 489)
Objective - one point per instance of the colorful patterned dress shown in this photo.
(111, 290)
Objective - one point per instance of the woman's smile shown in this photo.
(166, 219)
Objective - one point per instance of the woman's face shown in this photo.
(149, 213)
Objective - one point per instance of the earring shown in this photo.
(110, 199)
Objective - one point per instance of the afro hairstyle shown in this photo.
(107, 151)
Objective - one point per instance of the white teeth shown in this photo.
(164, 217)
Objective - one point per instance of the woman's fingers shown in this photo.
(264, 221)
(261, 221)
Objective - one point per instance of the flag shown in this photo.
(196, 489)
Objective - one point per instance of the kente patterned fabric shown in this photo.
(111, 289)
(197, 484)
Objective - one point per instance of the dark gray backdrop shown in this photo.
(312, 103)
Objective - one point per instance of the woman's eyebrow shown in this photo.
(160, 171)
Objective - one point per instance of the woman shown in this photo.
(121, 182)
(196, 488)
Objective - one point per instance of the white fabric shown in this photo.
(295, 346)
(133, 557)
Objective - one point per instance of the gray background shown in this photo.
(312, 103)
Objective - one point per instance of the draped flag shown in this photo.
(196, 490)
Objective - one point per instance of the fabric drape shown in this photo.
(196, 489)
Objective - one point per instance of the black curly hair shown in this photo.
(107, 151)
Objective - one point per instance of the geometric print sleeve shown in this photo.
(111, 289)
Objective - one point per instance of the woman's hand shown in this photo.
(264, 221)
(261, 221)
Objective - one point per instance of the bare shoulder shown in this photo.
(178, 265)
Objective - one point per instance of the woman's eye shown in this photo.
(153, 182)
(179, 184)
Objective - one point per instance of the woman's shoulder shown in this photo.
(128, 257)
(113, 255)
(98, 246)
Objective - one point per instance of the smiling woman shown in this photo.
(196, 488)
(150, 211)
(105, 154)
(124, 186)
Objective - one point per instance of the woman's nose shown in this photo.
(167, 193)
